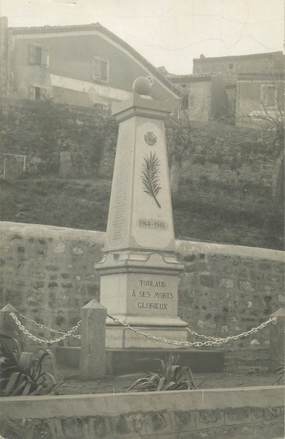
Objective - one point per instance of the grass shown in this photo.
(84, 204)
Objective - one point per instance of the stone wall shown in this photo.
(48, 273)
(250, 412)
(229, 289)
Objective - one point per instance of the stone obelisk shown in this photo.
(139, 273)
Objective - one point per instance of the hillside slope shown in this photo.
(84, 204)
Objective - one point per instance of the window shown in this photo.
(269, 95)
(100, 69)
(231, 66)
(38, 93)
(38, 56)
(185, 102)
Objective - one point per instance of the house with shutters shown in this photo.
(259, 98)
(82, 65)
(253, 83)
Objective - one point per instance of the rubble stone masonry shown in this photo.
(48, 274)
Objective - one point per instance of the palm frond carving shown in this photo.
(150, 176)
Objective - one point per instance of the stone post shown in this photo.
(7, 325)
(92, 354)
(277, 340)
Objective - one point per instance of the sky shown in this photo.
(168, 33)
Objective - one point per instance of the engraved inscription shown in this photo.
(152, 294)
(119, 217)
(146, 305)
(153, 224)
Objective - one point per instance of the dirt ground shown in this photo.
(71, 383)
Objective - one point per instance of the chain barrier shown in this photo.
(224, 340)
(70, 333)
(42, 326)
(209, 340)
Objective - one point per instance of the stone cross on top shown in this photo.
(139, 273)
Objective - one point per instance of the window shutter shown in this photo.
(45, 57)
(269, 95)
(104, 70)
(32, 55)
(35, 55)
(99, 69)
(32, 93)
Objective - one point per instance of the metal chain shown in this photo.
(209, 340)
(42, 326)
(213, 341)
(223, 340)
(42, 340)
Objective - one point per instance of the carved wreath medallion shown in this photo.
(150, 138)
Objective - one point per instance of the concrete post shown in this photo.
(92, 354)
(7, 325)
(277, 340)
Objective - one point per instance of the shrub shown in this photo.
(22, 373)
(280, 373)
(170, 377)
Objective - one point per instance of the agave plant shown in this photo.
(280, 372)
(22, 373)
(170, 377)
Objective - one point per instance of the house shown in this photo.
(204, 96)
(252, 83)
(196, 91)
(79, 65)
(230, 67)
(259, 97)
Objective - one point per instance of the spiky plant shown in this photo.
(22, 373)
(280, 372)
(170, 377)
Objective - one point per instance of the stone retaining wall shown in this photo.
(48, 273)
(250, 412)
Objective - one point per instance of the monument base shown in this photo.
(120, 337)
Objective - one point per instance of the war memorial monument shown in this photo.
(139, 273)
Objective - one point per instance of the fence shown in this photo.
(91, 333)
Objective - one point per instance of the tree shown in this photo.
(273, 122)
(179, 146)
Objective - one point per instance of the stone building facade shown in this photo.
(252, 84)
(230, 67)
(259, 97)
(83, 65)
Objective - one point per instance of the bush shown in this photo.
(171, 377)
(22, 373)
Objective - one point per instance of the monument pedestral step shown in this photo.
(135, 360)
(120, 337)
(124, 361)
(145, 321)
